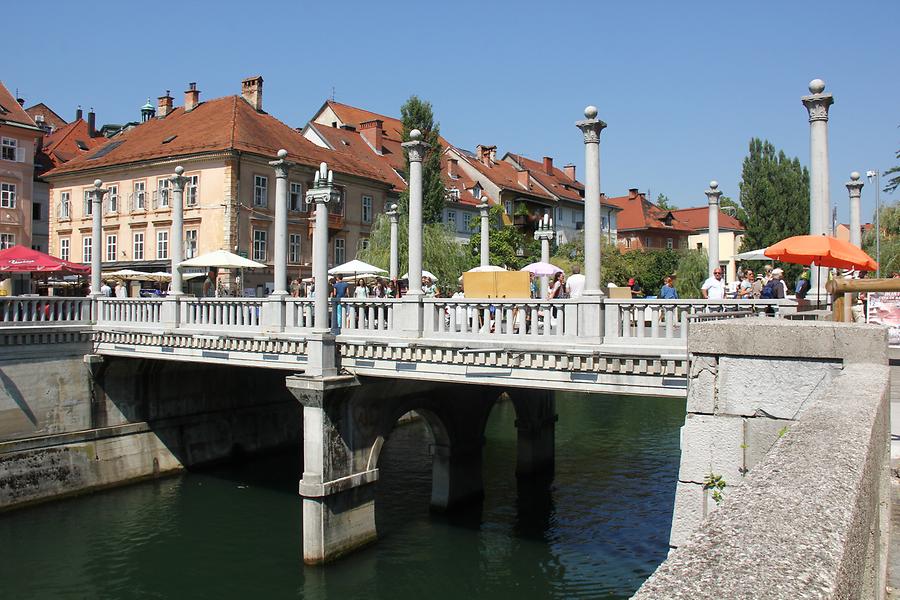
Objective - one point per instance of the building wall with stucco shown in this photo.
(15, 211)
(729, 245)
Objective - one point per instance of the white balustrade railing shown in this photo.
(129, 312)
(637, 321)
(299, 313)
(217, 314)
(373, 316)
(455, 318)
(28, 310)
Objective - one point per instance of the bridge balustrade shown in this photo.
(374, 316)
(454, 318)
(299, 313)
(134, 312)
(24, 310)
(233, 314)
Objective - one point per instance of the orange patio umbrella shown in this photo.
(823, 250)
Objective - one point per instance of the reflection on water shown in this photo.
(597, 530)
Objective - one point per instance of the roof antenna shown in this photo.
(332, 93)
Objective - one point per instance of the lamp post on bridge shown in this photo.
(817, 104)
(712, 195)
(394, 216)
(282, 167)
(484, 210)
(854, 187)
(591, 128)
(178, 181)
(96, 236)
(544, 233)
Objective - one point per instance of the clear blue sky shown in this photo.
(683, 86)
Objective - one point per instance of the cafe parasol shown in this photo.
(823, 251)
(20, 259)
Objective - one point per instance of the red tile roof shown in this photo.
(351, 115)
(11, 111)
(352, 143)
(50, 117)
(697, 218)
(505, 176)
(556, 181)
(639, 213)
(463, 183)
(66, 143)
(222, 124)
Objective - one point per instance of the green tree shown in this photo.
(664, 203)
(890, 240)
(691, 273)
(729, 206)
(775, 196)
(507, 246)
(417, 114)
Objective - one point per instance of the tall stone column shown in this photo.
(591, 128)
(97, 236)
(320, 343)
(281, 167)
(394, 268)
(817, 105)
(544, 233)
(712, 195)
(484, 211)
(178, 181)
(415, 149)
(855, 186)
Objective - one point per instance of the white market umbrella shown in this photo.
(541, 269)
(353, 267)
(126, 274)
(221, 259)
(752, 255)
(162, 276)
(486, 269)
(425, 273)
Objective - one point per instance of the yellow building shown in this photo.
(731, 234)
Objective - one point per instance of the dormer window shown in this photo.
(453, 195)
(668, 219)
(476, 192)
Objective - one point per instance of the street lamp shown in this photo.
(877, 177)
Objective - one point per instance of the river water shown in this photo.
(597, 531)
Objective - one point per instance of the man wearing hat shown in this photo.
(636, 290)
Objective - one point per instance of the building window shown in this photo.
(64, 248)
(260, 190)
(453, 195)
(628, 242)
(190, 243)
(670, 243)
(139, 197)
(162, 193)
(192, 190)
(337, 208)
(340, 253)
(7, 240)
(367, 209)
(297, 204)
(111, 243)
(9, 149)
(648, 242)
(7, 195)
(364, 243)
(36, 211)
(137, 252)
(476, 192)
(88, 208)
(162, 244)
(112, 205)
(260, 244)
(87, 245)
(294, 248)
(604, 223)
(64, 205)
(508, 207)
(451, 219)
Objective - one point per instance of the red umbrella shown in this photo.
(20, 259)
(823, 250)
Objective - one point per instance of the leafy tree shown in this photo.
(890, 240)
(664, 203)
(894, 182)
(692, 272)
(733, 208)
(775, 196)
(417, 114)
(507, 246)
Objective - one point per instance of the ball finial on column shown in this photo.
(179, 170)
(415, 134)
(98, 183)
(854, 175)
(713, 185)
(816, 86)
(392, 207)
(282, 153)
(590, 112)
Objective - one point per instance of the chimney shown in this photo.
(191, 97)
(164, 105)
(92, 123)
(569, 170)
(78, 113)
(251, 91)
(373, 132)
(524, 179)
(493, 150)
(21, 102)
(632, 193)
(452, 168)
(486, 154)
(548, 165)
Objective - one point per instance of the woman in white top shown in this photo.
(361, 291)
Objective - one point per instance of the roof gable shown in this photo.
(12, 112)
(697, 218)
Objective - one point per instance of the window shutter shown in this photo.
(20, 154)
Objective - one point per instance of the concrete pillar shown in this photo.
(544, 233)
(282, 167)
(536, 426)
(817, 105)
(712, 194)
(484, 211)
(394, 216)
(591, 128)
(176, 237)
(97, 236)
(855, 186)
(456, 476)
(415, 149)
(320, 343)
